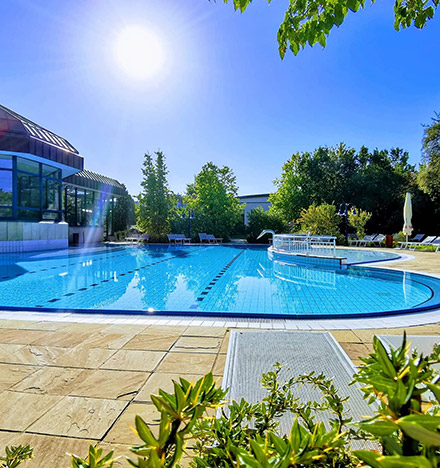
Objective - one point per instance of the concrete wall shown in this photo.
(21, 236)
(87, 234)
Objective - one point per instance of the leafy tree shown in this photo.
(124, 213)
(260, 220)
(429, 174)
(310, 21)
(358, 218)
(156, 202)
(374, 181)
(212, 199)
(320, 220)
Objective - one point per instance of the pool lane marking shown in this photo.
(117, 276)
(213, 282)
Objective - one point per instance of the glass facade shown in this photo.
(29, 190)
(88, 208)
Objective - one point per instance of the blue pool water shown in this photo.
(203, 280)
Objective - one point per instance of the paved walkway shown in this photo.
(65, 384)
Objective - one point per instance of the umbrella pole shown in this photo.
(407, 241)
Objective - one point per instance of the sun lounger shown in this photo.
(178, 239)
(139, 238)
(417, 238)
(133, 238)
(378, 240)
(427, 241)
(214, 240)
(437, 243)
(360, 242)
(209, 238)
(203, 237)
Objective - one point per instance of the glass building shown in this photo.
(46, 196)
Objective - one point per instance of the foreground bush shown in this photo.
(403, 388)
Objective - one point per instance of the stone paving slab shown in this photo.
(19, 411)
(87, 418)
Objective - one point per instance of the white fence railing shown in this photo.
(305, 244)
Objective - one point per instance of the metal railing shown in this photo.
(305, 244)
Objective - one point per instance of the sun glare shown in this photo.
(139, 52)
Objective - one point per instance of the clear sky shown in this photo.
(222, 93)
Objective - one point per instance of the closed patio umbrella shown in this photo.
(407, 217)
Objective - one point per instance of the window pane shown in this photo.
(50, 171)
(81, 207)
(5, 162)
(28, 188)
(51, 194)
(70, 206)
(5, 212)
(90, 201)
(29, 214)
(5, 187)
(28, 165)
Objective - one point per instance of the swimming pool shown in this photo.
(204, 280)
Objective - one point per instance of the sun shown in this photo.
(139, 52)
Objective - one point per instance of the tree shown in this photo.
(124, 215)
(310, 21)
(374, 181)
(429, 174)
(212, 199)
(156, 202)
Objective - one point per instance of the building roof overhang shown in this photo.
(20, 135)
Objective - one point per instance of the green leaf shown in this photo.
(379, 427)
(145, 433)
(423, 428)
(384, 359)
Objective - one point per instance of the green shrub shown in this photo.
(260, 220)
(320, 220)
(14, 456)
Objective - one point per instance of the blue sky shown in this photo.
(223, 94)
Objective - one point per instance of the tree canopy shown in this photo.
(156, 201)
(124, 215)
(310, 21)
(429, 175)
(212, 200)
(375, 181)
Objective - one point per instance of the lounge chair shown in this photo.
(378, 240)
(214, 240)
(139, 238)
(417, 238)
(178, 239)
(427, 241)
(203, 238)
(184, 240)
(437, 243)
(144, 238)
(360, 242)
(133, 238)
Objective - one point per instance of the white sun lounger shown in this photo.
(427, 241)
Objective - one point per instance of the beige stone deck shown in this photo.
(64, 385)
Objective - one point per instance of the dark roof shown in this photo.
(256, 195)
(94, 181)
(19, 134)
